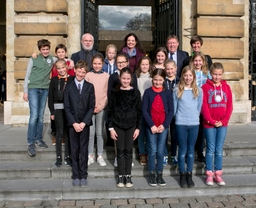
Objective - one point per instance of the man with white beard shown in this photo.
(87, 52)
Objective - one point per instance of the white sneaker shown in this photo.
(115, 163)
(101, 161)
(90, 159)
(132, 164)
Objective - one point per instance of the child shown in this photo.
(158, 113)
(56, 106)
(143, 73)
(217, 109)
(36, 86)
(187, 107)
(124, 116)
(160, 57)
(79, 104)
(171, 82)
(199, 64)
(99, 79)
(109, 62)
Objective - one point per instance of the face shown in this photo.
(61, 53)
(121, 62)
(158, 81)
(216, 76)
(131, 42)
(188, 78)
(87, 42)
(80, 74)
(125, 80)
(172, 45)
(144, 66)
(45, 50)
(160, 57)
(111, 53)
(97, 64)
(170, 70)
(62, 69)
(198, 62)
(196, 46)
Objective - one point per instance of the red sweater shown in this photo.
(157, 109)
(217, 103)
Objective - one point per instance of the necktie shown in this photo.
(171, 56)
(79, 88)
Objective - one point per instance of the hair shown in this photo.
(99, 56)
(111, 46)
(81, 64)
(216, 65)
(62, 46)
(159, 72)
(122, 54)
(87, 34)
(122, 71)
(42, 43)
(138, 70)
(205, 64)
(160, 49)
(170, 62)
(172, 37)
(181, 85)
(195, 39)
(138, 44)
(60, 61)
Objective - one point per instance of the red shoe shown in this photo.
(218, 178)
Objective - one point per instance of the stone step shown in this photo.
(105, 188)
(14, 170)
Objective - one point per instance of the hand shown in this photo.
(218, 124)
(160, 129)
(113, 134)
(25, 97)
(154, 129)
(71, 64)
(34, 55)
(82, 125)
(52, 117)
(136, 134)
(77, 127)
(96, 110)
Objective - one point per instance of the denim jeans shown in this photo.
(215, 138)
(187, 136)
(156, 144)
(37, 100)
(142, 141)
(96, 127)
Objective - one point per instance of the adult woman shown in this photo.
(133, 49)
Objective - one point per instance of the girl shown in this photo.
(199, 64)
(171, 81)
(99, 79)
(143, 73)
(109, 62)
(124, 116)
(217, 109)
(160, 58)
(56, 106)
(158, 113)
(187, 101)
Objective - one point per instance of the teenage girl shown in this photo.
(143, 73)
(199, 64)
(160, 57)
(99, 79)
(109, 62)
(124, 117)
(217, 109)
(56, 106)
(187, 107)
(158, 113)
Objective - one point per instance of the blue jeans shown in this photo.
(142, 141)
(186, 136)
(37, 100)
(156, 144)
(215, 138)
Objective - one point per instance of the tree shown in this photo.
(140, 21)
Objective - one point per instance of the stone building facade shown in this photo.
(223, 24)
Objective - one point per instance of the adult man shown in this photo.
(172, 44)
(87, 52)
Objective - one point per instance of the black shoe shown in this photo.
(152, 179)
(200, 158)
(68, 161)
(189, 180)
(58, 161)
(120, 181)
(160, 181)
(183, 181)
(128, 181)
(32, 150)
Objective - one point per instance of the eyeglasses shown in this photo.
(122, 62)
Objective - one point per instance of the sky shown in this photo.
(116, 17)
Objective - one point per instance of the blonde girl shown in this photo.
(109, 62)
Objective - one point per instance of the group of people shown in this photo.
(135, 99)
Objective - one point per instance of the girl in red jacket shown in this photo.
(217, 109)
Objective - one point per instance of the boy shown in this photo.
(36, 86)
(79, 103)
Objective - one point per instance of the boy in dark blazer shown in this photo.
(79, 103)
